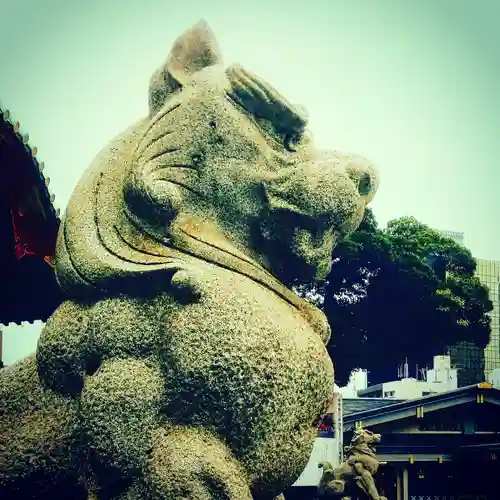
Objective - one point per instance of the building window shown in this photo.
(389, 394)
(428, 393)
(374, 394)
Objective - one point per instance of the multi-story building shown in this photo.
(441, 378)
(456, 236)
(488, 271)
(465, 356)
(468, 359)
(474, 365)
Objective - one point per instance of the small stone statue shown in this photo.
(181, 364)
(359, 467)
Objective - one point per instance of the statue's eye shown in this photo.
(293, 140)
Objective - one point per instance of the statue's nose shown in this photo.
(361, 171)
(364, 175)
(333, 188)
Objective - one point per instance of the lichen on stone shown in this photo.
(181, 364)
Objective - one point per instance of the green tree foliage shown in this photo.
(401, 292)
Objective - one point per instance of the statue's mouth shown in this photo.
(310, 207)
(298, 248)
(195, 239)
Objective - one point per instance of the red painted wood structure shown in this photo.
(28, 230)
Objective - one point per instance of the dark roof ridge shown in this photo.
(14, 133)
(32, 151)
(409, 403)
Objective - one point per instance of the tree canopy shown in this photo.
(401, 292)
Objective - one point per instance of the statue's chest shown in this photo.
(240, 343)
(235, 317)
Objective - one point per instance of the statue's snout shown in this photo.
(364, 175)
(361, 173)
(330, 190)
(313, 204)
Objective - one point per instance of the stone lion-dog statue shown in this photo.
(181, 365)
(358, 468)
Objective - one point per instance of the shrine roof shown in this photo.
(29, 224)
(396, 410)
(358, 405)
(17, 144)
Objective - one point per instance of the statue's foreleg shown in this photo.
(366, 482)
(332, 481)
(195, 464)
(36, 436)
(119, 411)
(121, 417)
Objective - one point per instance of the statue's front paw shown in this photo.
(119, 411)
(195, 464)
(186, 286)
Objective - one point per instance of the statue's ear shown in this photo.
(194, 50)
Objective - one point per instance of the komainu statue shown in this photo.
(359, 467)
(181, 365)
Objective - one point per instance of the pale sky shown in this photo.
(413, 85)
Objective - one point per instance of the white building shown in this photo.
(456, 236)
(357, 382)
(441, 378)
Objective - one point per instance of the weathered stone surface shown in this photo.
(195, 371)
(36, 437)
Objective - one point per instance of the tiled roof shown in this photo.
(356, 405)
(367, 408)
(32, 152)
(21, 174)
